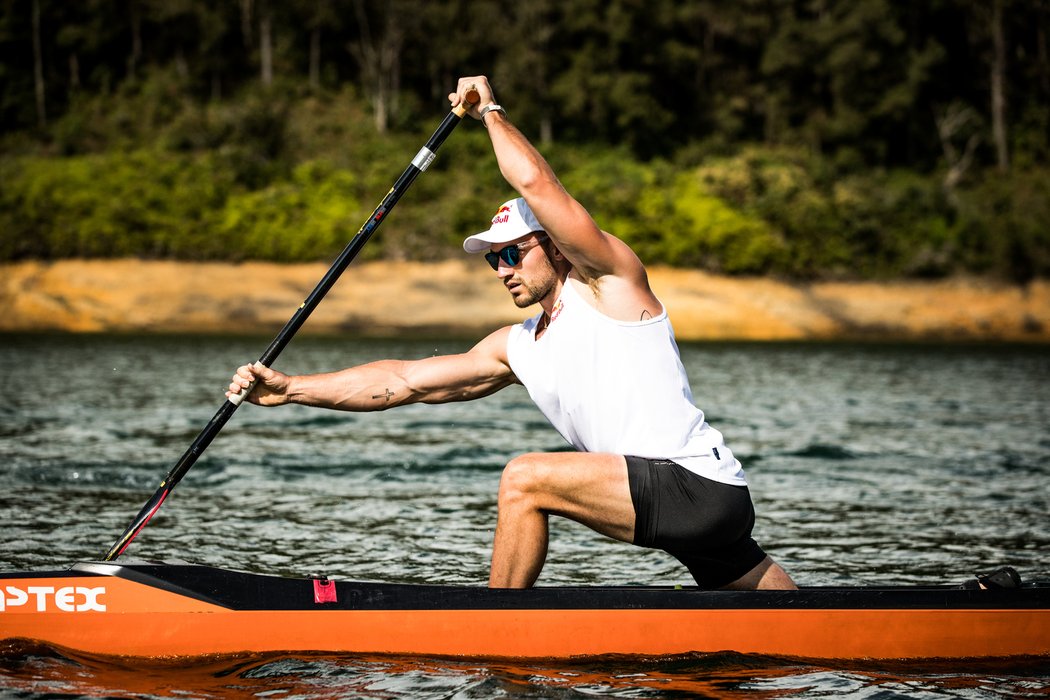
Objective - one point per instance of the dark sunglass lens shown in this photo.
(511, 256)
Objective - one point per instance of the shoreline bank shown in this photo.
(457, 298)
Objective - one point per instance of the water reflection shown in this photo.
(40, 671)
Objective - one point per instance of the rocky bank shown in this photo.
(459, 298)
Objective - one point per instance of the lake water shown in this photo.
(869, 464)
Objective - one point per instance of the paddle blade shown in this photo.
(151, 507)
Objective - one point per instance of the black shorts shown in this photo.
(704, 524)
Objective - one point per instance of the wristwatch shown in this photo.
(490, 108)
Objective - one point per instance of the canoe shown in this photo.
(156, 609)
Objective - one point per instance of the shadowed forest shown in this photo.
(805, 139)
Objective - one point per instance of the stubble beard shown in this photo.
(537, 289)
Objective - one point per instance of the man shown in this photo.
(601, 362)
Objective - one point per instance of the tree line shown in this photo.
(777, 118)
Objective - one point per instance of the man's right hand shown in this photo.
(271, 387)
(478, 83)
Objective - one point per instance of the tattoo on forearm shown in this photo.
(386, 395)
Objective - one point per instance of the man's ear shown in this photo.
(555, 255)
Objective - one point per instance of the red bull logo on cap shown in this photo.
(502, 215)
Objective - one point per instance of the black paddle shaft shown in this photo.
(226, 411)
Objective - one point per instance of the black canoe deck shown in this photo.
(238, 590)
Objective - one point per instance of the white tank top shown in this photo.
(617, 387)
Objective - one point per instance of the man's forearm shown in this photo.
(371, 387)
(522, 165)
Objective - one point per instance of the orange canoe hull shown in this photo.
(132, 614)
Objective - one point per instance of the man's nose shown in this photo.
(503, 270)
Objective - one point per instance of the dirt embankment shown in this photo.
(456, 297)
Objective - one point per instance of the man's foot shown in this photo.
(768, 575)
(1003, 577)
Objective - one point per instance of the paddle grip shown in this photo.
(238, 399)
(470, 99)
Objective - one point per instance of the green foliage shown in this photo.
(874, 224)
(208, 203)
(670, 217)
(307, 218)
(148, 203)
(1004, 224)
(622, 195)
(844, 138)
(282, 176)
(157, 204)
(757, 210)
(709, 233)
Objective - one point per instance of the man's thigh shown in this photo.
(590, 488)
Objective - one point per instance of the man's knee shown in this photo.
(522, 479)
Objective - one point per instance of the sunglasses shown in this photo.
(511, 254)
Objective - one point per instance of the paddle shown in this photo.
(419, 164)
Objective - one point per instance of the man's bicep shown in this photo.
(593, 252)
(478, 372)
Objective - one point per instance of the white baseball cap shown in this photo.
(513, 220)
